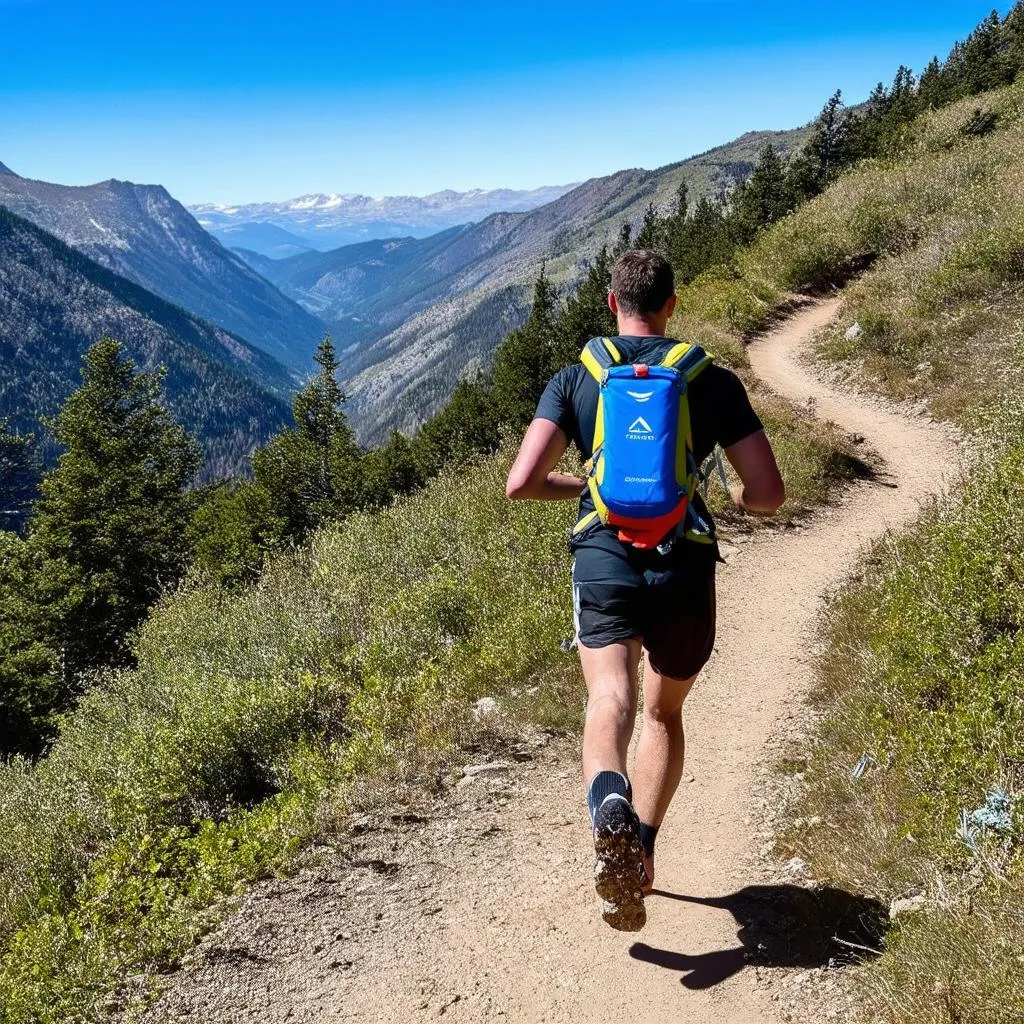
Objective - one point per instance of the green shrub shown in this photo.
(923, 669)
(140, 906)
(357, 654)
(722, 296)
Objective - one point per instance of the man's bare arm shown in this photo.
(532, 474)
(762, 489)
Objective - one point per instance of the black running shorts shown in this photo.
(668, 601)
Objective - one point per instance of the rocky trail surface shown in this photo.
(484, 910)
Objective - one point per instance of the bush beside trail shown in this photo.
(923, 672)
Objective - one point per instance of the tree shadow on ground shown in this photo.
(779, 926)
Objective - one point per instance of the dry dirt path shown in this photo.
(484, 911)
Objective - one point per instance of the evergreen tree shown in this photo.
(681, 209)
(825, 154)
(109, 529)
(1013, 40)
(469, 423)
(651, 234)
(985, 58)
(903, 106)
(675, 227)
(311, 472)
(233, 529)
(703, 240)
(19, 477)
(525, 360)
(585, 314)
(29, 692)
(864, 129)
(763, 198)
(934, 89)
(624, 242)
(392, 469)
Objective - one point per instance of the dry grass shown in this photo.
(922, 668)
(941, 228)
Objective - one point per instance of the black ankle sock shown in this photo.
(648, 833)
(603, 784)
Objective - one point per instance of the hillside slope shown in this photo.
(142, 233)
(468, 291)
(479, 897)
(370, 287)
(55, 302)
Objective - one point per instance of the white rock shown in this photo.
(485, 706)
(478, 769)
(907, 905)
(854, 331)
(798, 866)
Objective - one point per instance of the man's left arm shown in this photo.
(532, 474)
(742, 437)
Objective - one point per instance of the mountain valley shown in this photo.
(453, 296)
(328, 220)
(55, 302)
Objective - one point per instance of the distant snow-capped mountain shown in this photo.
(326, 220)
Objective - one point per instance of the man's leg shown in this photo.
(658, 766)
(611, 674)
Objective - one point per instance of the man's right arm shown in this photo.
(761, 489)
(532, 475)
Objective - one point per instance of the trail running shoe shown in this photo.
(619, 871)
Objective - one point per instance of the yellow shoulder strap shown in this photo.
(598, 354)
(675, 353)
(694, 357)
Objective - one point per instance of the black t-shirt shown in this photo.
(720, 410)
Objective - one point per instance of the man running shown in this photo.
(629, 603)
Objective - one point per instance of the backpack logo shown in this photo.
(640, 396)
(640, 426)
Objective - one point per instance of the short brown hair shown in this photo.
(642, 281)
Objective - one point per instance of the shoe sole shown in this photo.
(618, 872)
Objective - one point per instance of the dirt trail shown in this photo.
(485, 911)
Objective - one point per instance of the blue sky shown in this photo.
(236, 102)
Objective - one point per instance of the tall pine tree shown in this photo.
(651, 234)
(19, 477)
(30, 691)
(825, 153)
(525, 360)
(311, 472)
(108, 531)
(585, 314)
(763, 198)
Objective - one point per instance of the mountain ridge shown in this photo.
(142, 233)
(328, 220)
(457, 304)
(55, 301)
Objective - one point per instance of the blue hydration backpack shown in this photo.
(642, 474)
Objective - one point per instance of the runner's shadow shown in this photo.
(779, 926)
